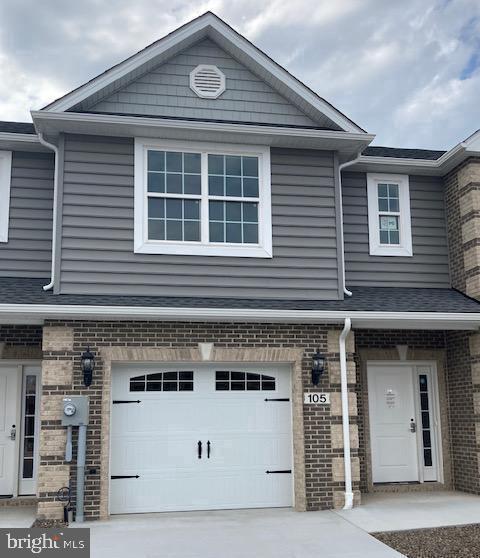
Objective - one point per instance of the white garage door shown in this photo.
(198, 438)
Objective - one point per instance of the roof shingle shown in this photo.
(403, 153)
(17, 127)
(365, 299)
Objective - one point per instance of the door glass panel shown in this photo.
(30, 403)
(425, 412)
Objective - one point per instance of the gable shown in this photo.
(165, 92)
(208, 25)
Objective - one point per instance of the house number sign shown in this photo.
(316, 398)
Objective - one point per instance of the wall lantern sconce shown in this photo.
(88, 365)
(318, 367)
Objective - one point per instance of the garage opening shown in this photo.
(200, 437)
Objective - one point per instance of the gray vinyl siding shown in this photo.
(428, 267)
(166, 92)
(28, 251)
(97, 232)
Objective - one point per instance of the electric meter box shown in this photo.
(75, 410)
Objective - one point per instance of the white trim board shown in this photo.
(396, 320)
(207, 24)
(5, 182)
(143, 245)
(404, 248)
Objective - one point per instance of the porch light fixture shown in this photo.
(318, 367)
(88, 365)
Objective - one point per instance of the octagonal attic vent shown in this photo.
(207, 81)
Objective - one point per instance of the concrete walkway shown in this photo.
(17, 516)
(266, 533)
(414, 510)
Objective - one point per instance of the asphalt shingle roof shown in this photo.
(370, 299)
(428, 154)
(373, 151)
(17, 127)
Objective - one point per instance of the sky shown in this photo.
(405, 70)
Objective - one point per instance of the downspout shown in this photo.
(54, 148)
(345, 415)
(340, 168)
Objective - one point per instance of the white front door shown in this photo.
(8, 429)
(392, 423)
(200, 437)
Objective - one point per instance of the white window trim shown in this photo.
(144, 246)
(405, 246)
(5, 181)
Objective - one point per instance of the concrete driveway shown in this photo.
(275, 533)
(17, 516)
(413, 510)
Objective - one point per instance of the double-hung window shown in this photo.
(389, 215)
(5, 179)
(202, 199)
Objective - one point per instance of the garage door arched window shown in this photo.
(228, 380)
(163, 381)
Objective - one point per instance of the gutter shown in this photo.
(21, 138)
(472, 319)
(342, 255)
(54, 148)
(40, 117)
(345, 415)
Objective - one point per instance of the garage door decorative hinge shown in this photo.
(279, 399)
(118, 401)
(278, 472)
(125, 477)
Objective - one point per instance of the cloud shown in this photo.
(408, 71)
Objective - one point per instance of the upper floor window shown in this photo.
(5, 179)
(389, 215)
(202, 199)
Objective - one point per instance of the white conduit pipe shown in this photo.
(54, 148)
(340, 168)
(345, 415)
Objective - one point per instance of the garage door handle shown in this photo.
(199, 449)
(208, 449)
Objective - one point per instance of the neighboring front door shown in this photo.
(392, 423)
(200, 437)
(8, 429)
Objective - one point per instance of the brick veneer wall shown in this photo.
(462, 199)
(20, 342)
(384, 339)
(65, 341)
(21, 335)
(463, 371)
(454, 231)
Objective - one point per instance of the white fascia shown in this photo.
(470, 146)
(20, 138)
(41, 117)
(242, 314)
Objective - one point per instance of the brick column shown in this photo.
(336, 427)
(57, 380)
(462, 193)
(463, 379)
